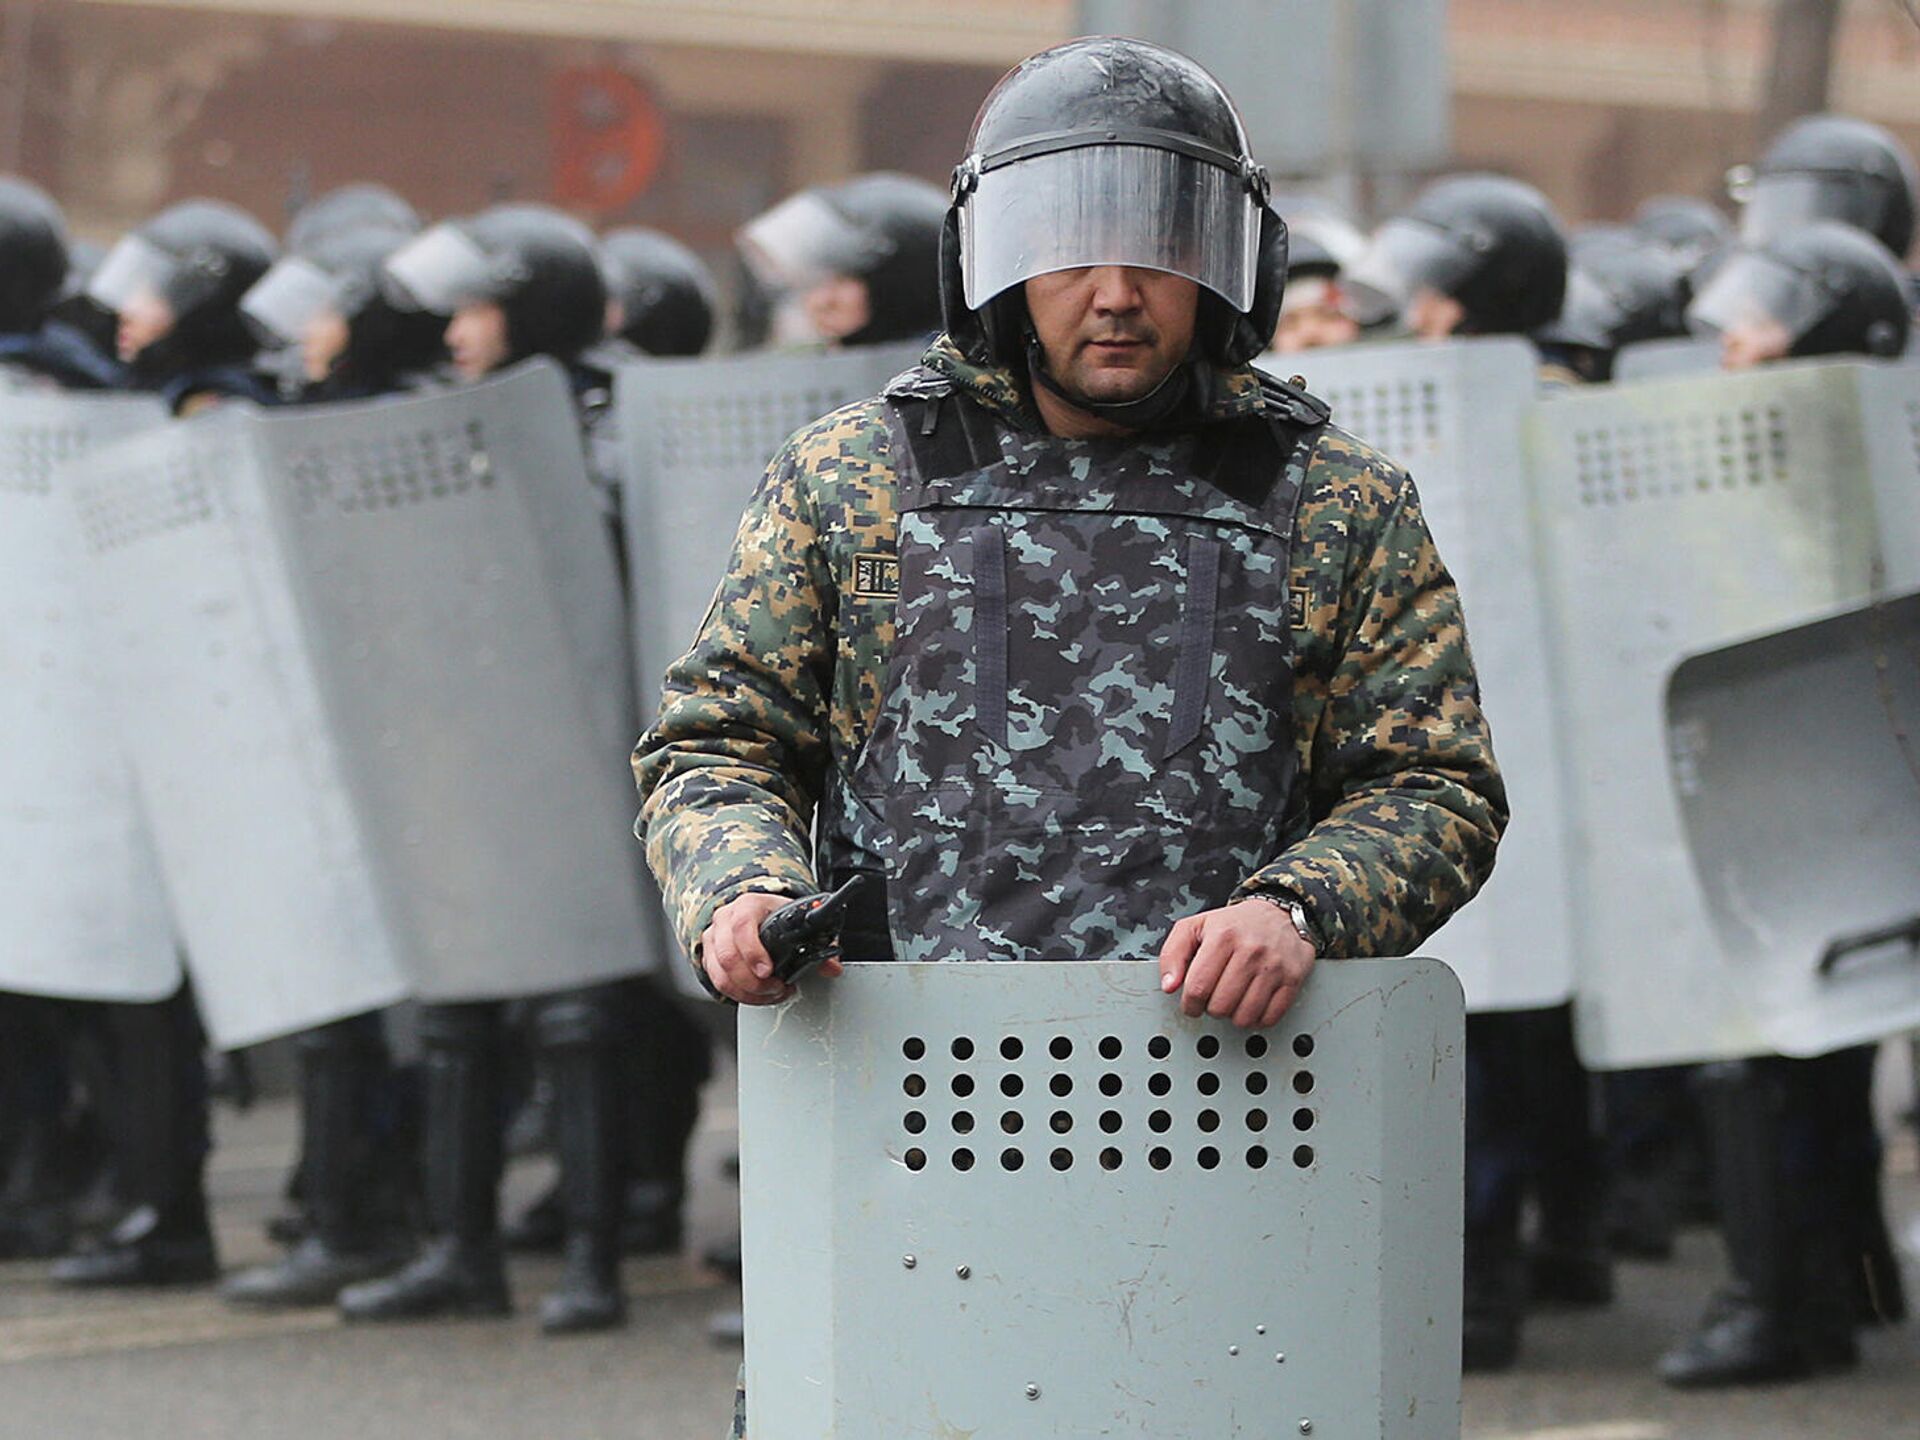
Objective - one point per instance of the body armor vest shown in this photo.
(1086, 728)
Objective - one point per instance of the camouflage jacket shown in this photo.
(786, 677)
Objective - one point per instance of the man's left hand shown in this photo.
(1246, 962)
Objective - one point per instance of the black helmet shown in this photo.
(1835, 290)
(1621, 290)
(199, 257)
(882, 228)
(1321, 240)
(662, 291)
(359, 206)
(1489, 242)
(340, 273)
(1155, 144)
(1831, 167)
(537, 264)
(1692, 229)
(33, 255)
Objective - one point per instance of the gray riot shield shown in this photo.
(459, 592)
(1796, 758)
(1453, 416)
(81, 901)
(1676, 519)
(1666, 359)
(238, 766)
(391, 757)
(696, 436)
(1032, 1200)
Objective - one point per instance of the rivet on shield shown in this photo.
(1306, 1427)
(1233, 1349)
(1259, 1329)
(963, 1271)
(908, 1261)
(1280, 1359)
(1033, 1392)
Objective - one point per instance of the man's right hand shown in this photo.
(735, 960)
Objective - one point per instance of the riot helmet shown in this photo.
(1321, 243)
(1820, 289)
(1621, 290)
(660, 297)
(175, 283)
(1830, 167)
(360, 206)
(1691, 229)
(1489, 243)
(540, 266)
(882, 230)
(33, 255)
(330, 303)
(1111, 152)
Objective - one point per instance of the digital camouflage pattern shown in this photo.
(783, 686)
(1086, 727)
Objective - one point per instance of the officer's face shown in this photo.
(1754, 342)
(1433, 316)
(322, 344)
(145, 319)
(1313, 317)
(838, 307)
(477, 339)
(1113, 332)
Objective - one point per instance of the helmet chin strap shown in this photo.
(1149, 410)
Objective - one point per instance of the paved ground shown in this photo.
(155, 1366)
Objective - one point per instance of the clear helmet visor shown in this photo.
(438, 271)
(1590, 316)
(1754, 289)
(802, 242)
(138, 273)
(1777, 205)
(1405, 257)
(288, 298)
(1111, 205)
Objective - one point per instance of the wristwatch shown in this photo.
(1296, 911)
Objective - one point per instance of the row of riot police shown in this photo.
(1612, 1164)
(106, 1099)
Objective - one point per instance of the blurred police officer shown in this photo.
(1621, 290)
(855, 263)
(326, 305)
(1314, 311)
(1796, 1153)
(1486, 255)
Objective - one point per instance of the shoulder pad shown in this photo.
(1289, 400)
(917, 383)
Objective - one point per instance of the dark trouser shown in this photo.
(348, 1132)
(157, 1108)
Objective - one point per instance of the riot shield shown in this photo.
(392, 753)
(81, 901)
(1796, 758)
(1666, 359)
(459, 592)
(1032, 1199)
(1453, 415)
(239, 769)
(1675, 519)
(696, 438)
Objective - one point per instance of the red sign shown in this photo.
(609, 137)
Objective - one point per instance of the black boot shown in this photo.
(460, 1270)
(158, 1124)
(1753, 1331)
(577, 1041)
(670, 1058)
(1570, 1262)
(339, 1066)
(541, 1228)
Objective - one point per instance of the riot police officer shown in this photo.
(661, 299)
(174, 286)
(1823, 288)
(1691, 231)
(327, 304)
(1112, 264)
(1621, 290)
(360, 207)
(1321, 243)
(851, 264)
(1830, 167)
(516, 281)
(1473, 255)
(36, 272)
(1486, 255)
